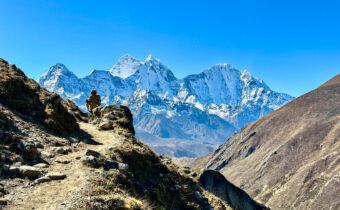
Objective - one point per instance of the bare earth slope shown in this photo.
(289, 158)
(60, 194)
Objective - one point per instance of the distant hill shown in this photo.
(289, 159)
(201, 110)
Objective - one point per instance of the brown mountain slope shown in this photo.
(289, 158)
(332, 81)
(35, 103)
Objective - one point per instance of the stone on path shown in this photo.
(30, 171)
(90, 152)
(105, 125)
(55, 175)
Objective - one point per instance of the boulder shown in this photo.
(42, 179)
(30, 171)
(91, 161)
(90, 152)
(193, 174)
(61, 150)
(111, 165)
(3, 202)
(41, 165)
(30, 150)
(55, 176)
(111, 148)
(62, 161)
(217, 184)
(105, 125)
(46, 154)
(123, 166)
(110, 116)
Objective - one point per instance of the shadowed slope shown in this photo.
(289, 158)
(214, 182)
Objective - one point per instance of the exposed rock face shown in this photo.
(214, 182)
(73, 109)
(105, 125)
(113, 116)
(30, 171)
(28, 98)
(290, 158)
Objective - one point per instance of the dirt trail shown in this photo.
(59, 194)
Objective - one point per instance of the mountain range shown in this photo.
(177, 117)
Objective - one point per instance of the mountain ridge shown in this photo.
(221, 92)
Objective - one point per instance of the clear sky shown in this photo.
(293, 45)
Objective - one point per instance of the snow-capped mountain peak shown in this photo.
(52, 77)
(125, 67)
(150, 58)
(57, 69)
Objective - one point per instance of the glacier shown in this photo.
(177, 117)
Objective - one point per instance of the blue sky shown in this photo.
(294, 46)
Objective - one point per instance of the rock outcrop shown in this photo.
(216, 183)
(73, 109)
(114, 116)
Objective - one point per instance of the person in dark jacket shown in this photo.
(94, 101)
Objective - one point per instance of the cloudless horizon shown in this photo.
(293, 46)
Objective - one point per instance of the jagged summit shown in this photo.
(150, 58)
(125, 67)
(57, 69)
(96, 72)
(56, 74)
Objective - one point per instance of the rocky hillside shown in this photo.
(289, 159)
(53, 156)
(25, 96)
(177, 117)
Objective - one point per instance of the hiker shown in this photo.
(93, 101)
